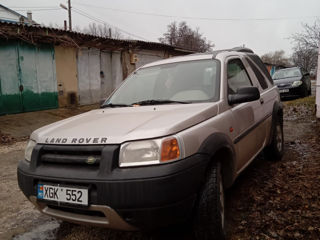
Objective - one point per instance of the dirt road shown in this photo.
(270, 200)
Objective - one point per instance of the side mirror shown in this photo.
(245, 94)
(306, 74)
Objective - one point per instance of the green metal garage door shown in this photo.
(10, 98)
(27, 78)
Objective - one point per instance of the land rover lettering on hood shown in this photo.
(162, 149)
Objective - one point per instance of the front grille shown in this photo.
(284, 85)
(71, 155)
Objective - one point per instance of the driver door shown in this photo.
(245, 115)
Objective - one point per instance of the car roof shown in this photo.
(199, 56)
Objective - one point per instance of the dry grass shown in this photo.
(308, 101)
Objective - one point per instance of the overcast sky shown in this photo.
(262, 25)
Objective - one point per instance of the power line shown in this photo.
(196, 18)
(44, 8)
(79, 11)
(37, 9)
(27, 7)
(103, 22)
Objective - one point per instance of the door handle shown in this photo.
(261, 101)
(21, 88)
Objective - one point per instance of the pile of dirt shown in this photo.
(6, 138)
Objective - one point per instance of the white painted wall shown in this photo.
(146, 56)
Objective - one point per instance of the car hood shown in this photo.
(285, 81)
(117, 125)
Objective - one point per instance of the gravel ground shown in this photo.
(270, 200)
(16, 212)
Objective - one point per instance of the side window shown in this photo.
(237, 76)
(258, 75)
(261, 65)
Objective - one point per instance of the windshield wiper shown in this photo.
(111, 105)
(155, 102)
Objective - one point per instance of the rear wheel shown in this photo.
(210, 212)
(276, 148)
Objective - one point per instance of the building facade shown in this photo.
(8, 15)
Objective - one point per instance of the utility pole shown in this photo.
(69, 13)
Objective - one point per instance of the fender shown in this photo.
(219, 147)
(277, 114)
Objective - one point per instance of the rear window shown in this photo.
(258, 74)
(261, 66)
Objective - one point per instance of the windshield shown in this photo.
(287, 73)
(192, 81)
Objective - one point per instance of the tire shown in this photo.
(210, 211)
(304, 92)
(276, 148)
(309, 91)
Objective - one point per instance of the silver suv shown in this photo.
(163, 147)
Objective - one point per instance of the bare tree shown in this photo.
(276, 58)
(53, 25)
(183, 36)
(305, 57)
(76, 28)
(102, 30)
(306, 46)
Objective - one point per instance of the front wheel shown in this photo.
(276, 148)
(304, 92)
(309, 91)
(210, 212)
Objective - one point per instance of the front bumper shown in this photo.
(122, 198)
(286, 92)
(107, 217)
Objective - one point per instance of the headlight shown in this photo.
(30, 146)
(149, 152)
(296, 83)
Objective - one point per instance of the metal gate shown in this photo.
(89, 76)
(10, 101)
(99, 73)
(27, 77)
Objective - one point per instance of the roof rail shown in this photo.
(236, 49)
(242, 49)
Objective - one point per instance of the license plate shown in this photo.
(283, 90)
(63, 194)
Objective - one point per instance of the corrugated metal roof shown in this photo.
(90, 36)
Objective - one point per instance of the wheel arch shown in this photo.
(219, 148)
(277, 114)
